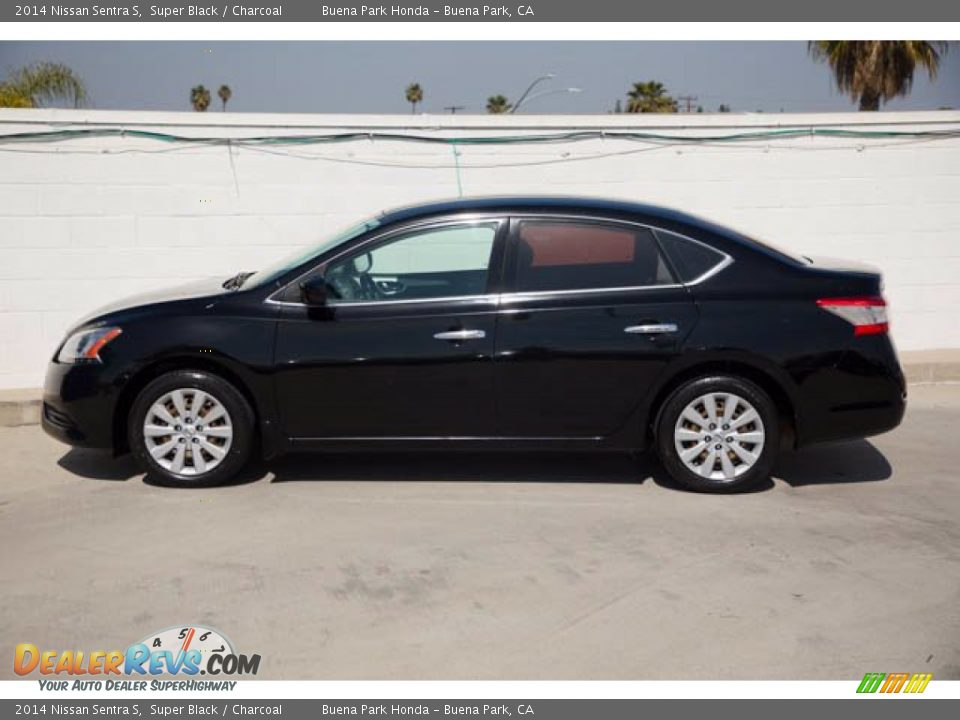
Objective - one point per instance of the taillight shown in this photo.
(867, 314)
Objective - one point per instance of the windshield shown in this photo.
(302, 255)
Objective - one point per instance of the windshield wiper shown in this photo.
(236, 281)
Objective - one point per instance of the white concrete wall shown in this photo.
(86, 221)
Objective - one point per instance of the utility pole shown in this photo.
(453, 108)
(688, 100)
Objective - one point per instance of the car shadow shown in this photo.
(98, 465)
(850, 462)
(856, 461)
(503, 467)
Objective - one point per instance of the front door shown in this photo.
(404, 348)
(590, 317)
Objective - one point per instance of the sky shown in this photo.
(370, 77)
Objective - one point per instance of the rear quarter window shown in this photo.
(691, 259)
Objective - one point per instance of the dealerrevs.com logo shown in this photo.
(188, 650)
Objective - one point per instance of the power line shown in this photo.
(688, 99)
(51, 136)
(565, 157)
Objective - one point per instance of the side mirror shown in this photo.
(313, 291)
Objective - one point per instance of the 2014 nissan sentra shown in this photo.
(501, 323)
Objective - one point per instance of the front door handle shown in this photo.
(653, 329)
(460, 335)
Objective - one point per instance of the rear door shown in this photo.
(591, 316)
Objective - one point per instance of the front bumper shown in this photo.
(78, 405)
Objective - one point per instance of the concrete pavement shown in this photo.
(502, 566)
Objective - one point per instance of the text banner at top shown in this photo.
(454, 11)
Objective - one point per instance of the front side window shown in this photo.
(554, 255)
(437, 262)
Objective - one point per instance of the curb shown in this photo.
(22, 407)
(19, 407)
(932, 372)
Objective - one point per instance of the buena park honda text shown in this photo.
(500, 323)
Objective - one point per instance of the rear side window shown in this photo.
(559, 255)
(691, 259)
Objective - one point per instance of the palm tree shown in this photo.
(13, 98)
(874, 71)
(200, 98)
(650, 97)
(40, 84)
(225, 93)
(414, 96)
(498, 105)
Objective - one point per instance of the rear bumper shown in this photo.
(78, 406)
(864, 394)
(859, 420)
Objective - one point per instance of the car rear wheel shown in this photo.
(191, 428)
(718, 434)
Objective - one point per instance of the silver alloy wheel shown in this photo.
(188, 431)
(719, 436)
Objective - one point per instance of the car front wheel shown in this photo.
(191, 428)
(718, 434)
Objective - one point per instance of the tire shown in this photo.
(737, 448)
(211, 453)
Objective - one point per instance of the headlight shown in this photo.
(85, 345)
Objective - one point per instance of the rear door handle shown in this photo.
(653, 329)
(460, 335)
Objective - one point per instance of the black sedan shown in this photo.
(531, 323)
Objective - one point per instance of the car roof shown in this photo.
(529, 203)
